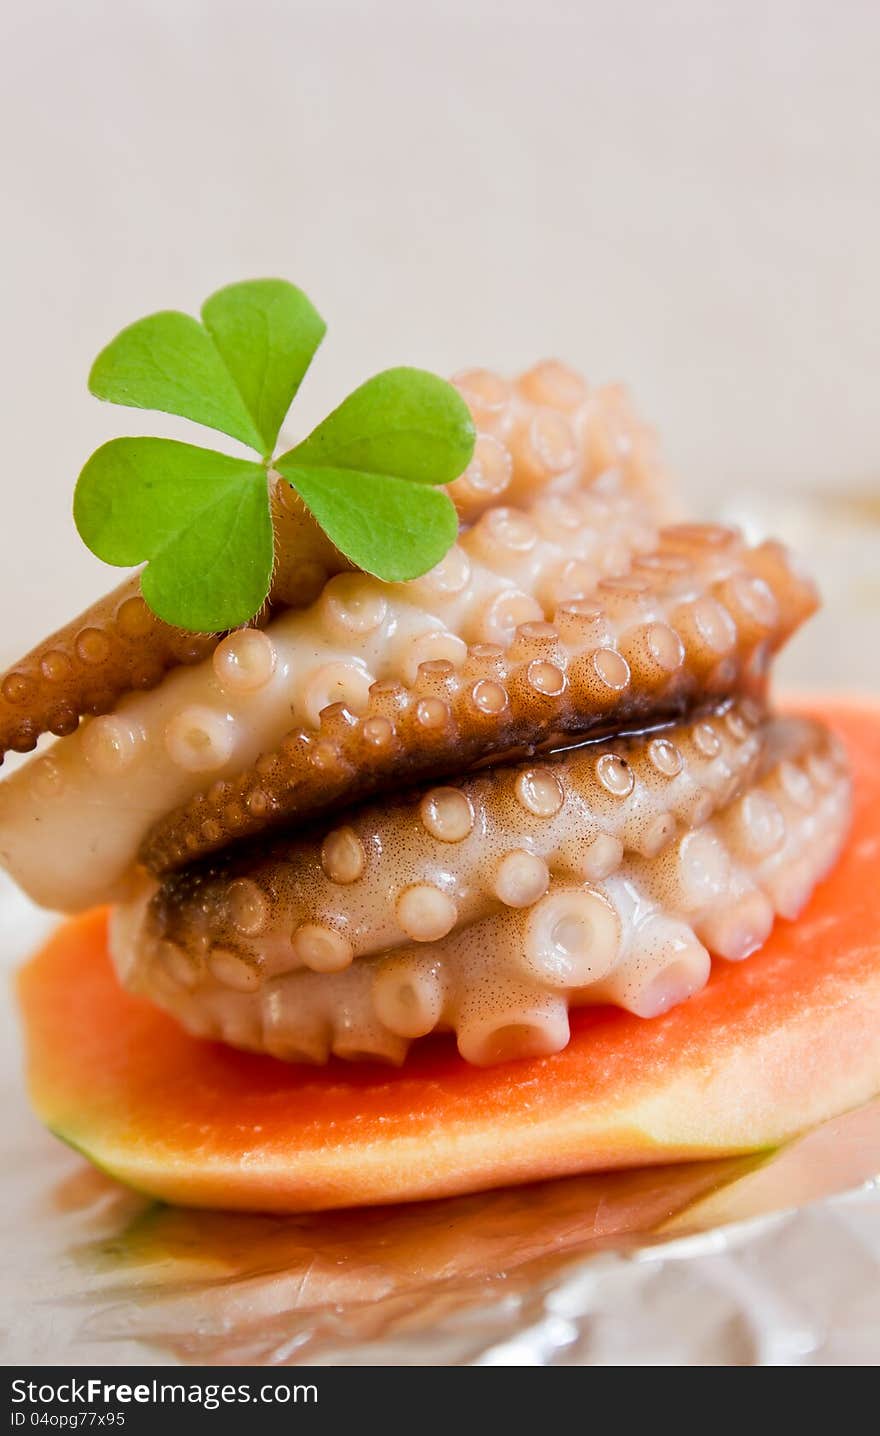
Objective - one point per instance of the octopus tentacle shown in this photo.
(117, 645)
(549, 430)
(492, 840)
(639, 938)
(214, 720)
(645, 648)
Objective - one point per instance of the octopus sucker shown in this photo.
(502, 975)
(543, 775)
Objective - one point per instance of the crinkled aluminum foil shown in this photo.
(746, 1261)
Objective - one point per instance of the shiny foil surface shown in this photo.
(769, 1260)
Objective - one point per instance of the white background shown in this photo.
(682, 194)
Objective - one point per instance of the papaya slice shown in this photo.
(771, 1046)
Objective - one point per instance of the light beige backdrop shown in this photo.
(683, 194)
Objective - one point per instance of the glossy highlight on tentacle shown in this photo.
(640, 938)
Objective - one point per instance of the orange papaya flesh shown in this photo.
(771, 1046)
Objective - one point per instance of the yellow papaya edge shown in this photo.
(770, 1047)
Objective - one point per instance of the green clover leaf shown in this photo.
(386, 526)
(404, 422)
(238, 371)
(267, 334)
(200, 520)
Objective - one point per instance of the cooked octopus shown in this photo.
(383, 686)
(649, 644)
(529, 939)
(492, 838)
(540, 776)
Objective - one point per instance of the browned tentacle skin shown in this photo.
(416, 867)
(653, 643)
(115, 646)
